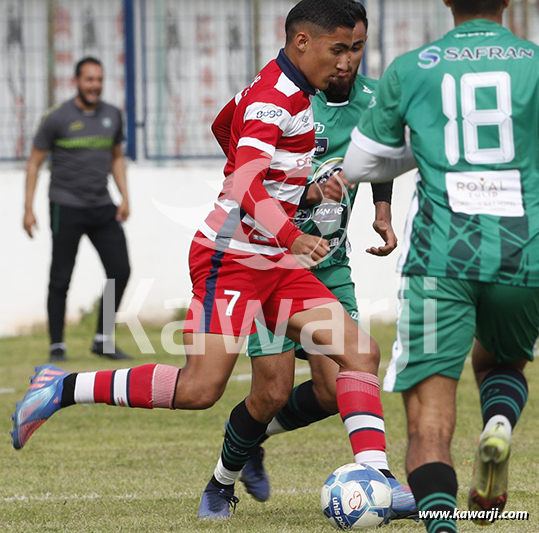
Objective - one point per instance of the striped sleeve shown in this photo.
(263, 126)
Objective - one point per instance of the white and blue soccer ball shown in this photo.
(356, 496)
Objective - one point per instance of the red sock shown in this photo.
(358, 397)
(145, 386)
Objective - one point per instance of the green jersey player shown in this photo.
(325, 207)
(472, 249)
(324, 211)
(336, 114)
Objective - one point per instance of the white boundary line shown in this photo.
(49, 497)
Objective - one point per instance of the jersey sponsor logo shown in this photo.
(319, 128)
(107, 122)
(76, 126)
(329, 217)
(487, 52)
(329, 211)
(302, 216)
(260, 238)
(269, 114)
(327, 169)
(497, 193)
(303, 162)
(373, 102)
(430, 57)
(321, 146)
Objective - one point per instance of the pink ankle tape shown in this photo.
(164, 386)
(356, 379)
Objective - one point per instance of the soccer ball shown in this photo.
(356, 496)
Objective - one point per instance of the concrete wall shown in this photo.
(167, 206)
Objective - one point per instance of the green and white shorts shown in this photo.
(440, 317)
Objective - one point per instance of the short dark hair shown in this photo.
(326, 14)
(477, 7)
(84, 61)
(358, 12)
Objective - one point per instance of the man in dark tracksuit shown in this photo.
(84, 135)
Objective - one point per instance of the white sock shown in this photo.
(84, 387)
(224, 475)
(274, 428)
(498, 419)
(101, 338)
(375, 458)
(60, 345)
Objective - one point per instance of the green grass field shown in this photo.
(103, 469)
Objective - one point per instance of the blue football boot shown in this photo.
(40, 402)
(254, 476)
(216, 502)
(404, 505)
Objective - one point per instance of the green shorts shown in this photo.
(337, 278)
(439, 318)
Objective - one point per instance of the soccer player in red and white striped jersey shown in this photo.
(241, 268)
(271, 124)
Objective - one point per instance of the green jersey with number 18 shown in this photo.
(471, 101)
(333, 124)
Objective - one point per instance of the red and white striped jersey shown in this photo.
(273, 115)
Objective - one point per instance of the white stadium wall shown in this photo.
(167, 206)
(191, 57)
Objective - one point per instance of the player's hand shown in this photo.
(335, 186)
(314, 194)
(29, 223)
(382, 226)
(309, 250)
(122, 214)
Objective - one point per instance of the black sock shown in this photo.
(220, 485)
(242, 434)
(68, 392)
(302, 408)
(503, 392)
(435, 486)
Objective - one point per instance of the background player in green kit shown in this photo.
(324, 211)
(471, 254)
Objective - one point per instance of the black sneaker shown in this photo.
(109, 351)
(57, 355)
